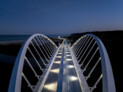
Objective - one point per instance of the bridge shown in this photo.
(42, 66)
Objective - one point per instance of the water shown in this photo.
(21, 37)
(13, 37)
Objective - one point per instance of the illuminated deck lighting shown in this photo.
(70, 66)
(68, 59)
(67, 55)
(51, 86)
(67, 52)
(55, 70)
(73, 78)
(58, 56)
(59, 53)
(57, 62)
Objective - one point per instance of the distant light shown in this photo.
(51, 86)
(59, 37)
(73, 78)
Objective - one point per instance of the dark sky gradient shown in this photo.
(59, 16)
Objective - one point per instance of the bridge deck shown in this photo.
(62, 76)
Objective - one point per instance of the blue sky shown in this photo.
(60, 16)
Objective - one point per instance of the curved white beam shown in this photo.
(16, 77)
(108, 78)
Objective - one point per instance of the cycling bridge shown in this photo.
(41, 66)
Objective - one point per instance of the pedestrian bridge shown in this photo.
(41, 66)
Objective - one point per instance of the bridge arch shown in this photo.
(108, 84)
(48, 47)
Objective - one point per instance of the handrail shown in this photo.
(108, 83)
(17, 73)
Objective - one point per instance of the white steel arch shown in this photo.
(108, 84)
(16, 77)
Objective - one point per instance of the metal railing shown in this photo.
(93, 64)
(32, 63)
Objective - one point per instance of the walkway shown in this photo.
(62, 76)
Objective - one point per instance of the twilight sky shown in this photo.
(59, 16)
